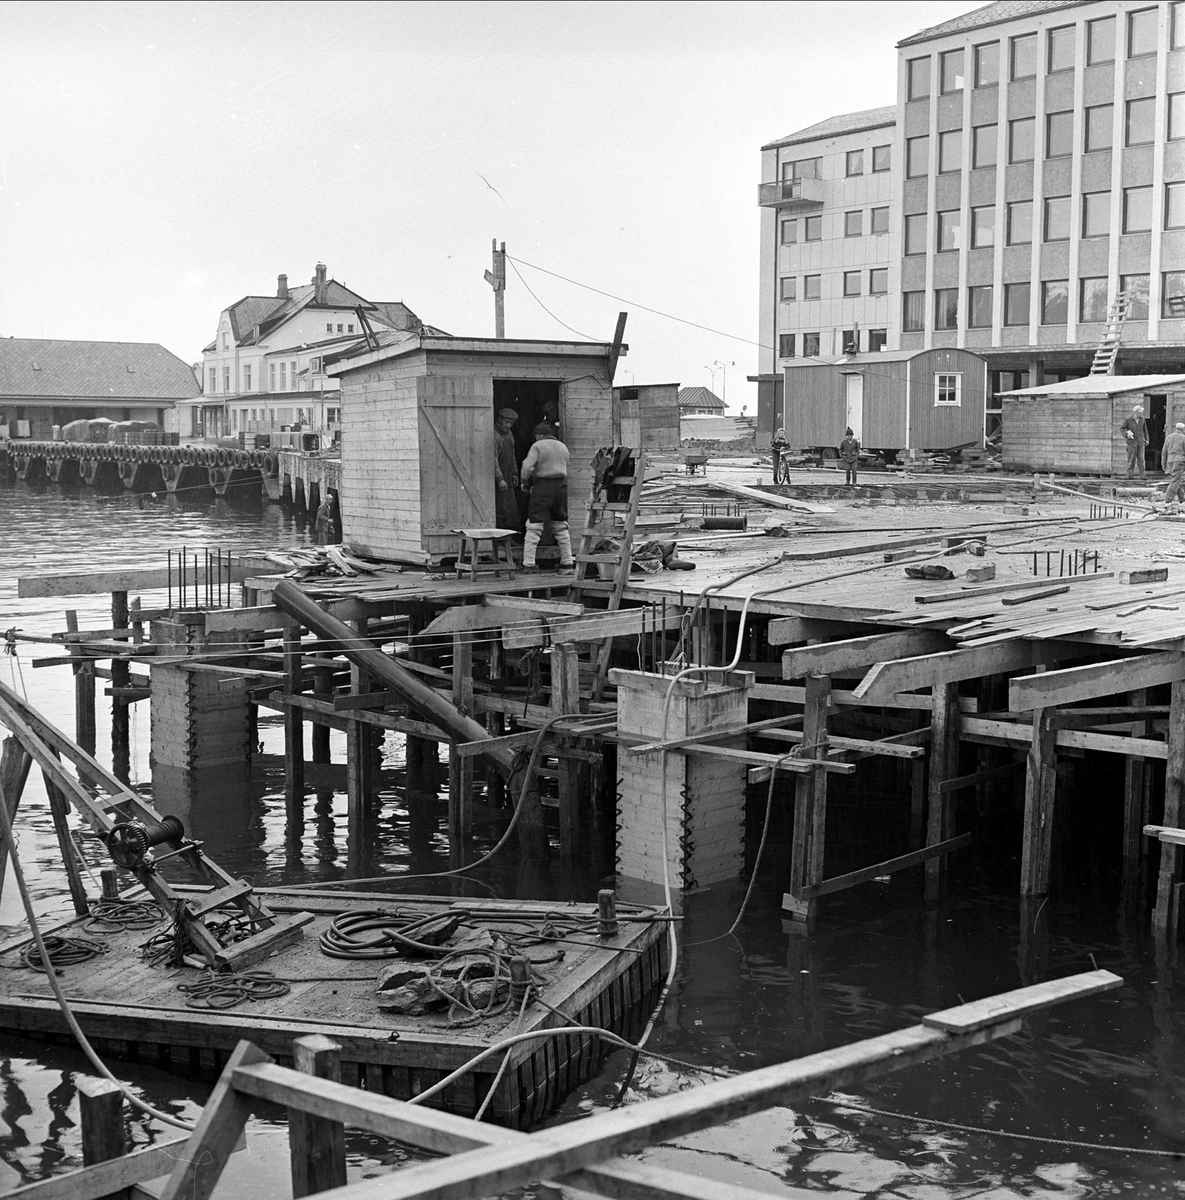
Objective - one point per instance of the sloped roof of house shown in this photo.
(51, 367)
(853, 122)
(1101, 385)
(699, 397)
(990, 14)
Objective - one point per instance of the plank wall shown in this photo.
(814, 406)
(937, 427)
(1045, 434)
(885, 390)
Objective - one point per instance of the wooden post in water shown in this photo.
(293, 729)
(84, 692)
(1134, 798)
(58, 808)
(810, 803)
(495, 723)
(121, 677)
(565, 698)
(1168, 887)
(944, 765)
(317, 1144)
(323, 690)
(100, 1105)
(359, 766)
(460, 770)
(14, 771)
(1040, 793)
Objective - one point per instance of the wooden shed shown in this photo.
(417, 419)
(1075, 426)
(893, 400)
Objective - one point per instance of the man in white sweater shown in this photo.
(545, 473)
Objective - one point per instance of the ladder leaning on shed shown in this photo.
(1107, 350)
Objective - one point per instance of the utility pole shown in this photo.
(497, 280)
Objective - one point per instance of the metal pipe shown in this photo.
(289, 599)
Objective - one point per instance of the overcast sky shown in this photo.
(159, 161)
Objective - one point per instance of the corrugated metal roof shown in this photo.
(699, 397)
(990, 14)
(1101, 385)
(93, 370)
(855, 122)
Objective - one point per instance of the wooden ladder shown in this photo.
(617, 494)
(1107, 350)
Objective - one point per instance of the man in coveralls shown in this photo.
(545, 472)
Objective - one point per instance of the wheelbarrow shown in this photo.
(694, 459)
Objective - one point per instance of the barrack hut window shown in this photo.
(948, 388)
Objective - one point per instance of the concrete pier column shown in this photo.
(699, 799)
(199, 718)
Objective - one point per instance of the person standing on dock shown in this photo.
(849, 453)
(506, 470)
(545, 473)
(324, 521)
(1172, 462)
(1135, 434)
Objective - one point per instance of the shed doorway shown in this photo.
(1156, 431)
(535, 400)
(854, 404)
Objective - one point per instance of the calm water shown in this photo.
(1107, 1073)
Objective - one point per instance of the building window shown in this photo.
(283, 377)
(880, 220)
(333, 415)
(789, 232)
(849, 339)
(1176, 25)
(213, 379)
(950, 230)
(917, 156)
(950, 71)
(1136, 286)
(810, 345)
(1100, 40)
(1055, 301)
(271, 377)
(339, 329)
(979, 306)
(855, 163)
(853, 224)
(983, 226)
(851, 283)
(1020, 139)
(812, 287)
(1092, 299)
(1099, 124)
(950, 151)
(1172, 294)
(812, 229)
(915, 233)
(1024, 56)
(788, 288)
(1141, 32)
(946, 308)
(987, 64)
(1096, 214)
(801, 168)
(246, 377)
(226, 341)
(1174, 206)
(1016, 303)
(913, 311)
(877, 339)
(882, 158)
(1176, 129)
(1020, 222)
(918, 82)
(1137, 209)
(786, 345)
(983, 145)
(328, 328)
(1059, 134)
(315, 366)
(948, 388)
(349, 328)
(1060, 49)
(878, 281)
(1139, 125)
(1057, 219)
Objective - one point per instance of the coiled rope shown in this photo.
(62, 951)
(218, 991)
(111, 913)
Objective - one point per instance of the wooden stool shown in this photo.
(470, 558)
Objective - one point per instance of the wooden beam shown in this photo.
(993, 732)
(887, 679)
(789, 693)
(783, 631)
(264, 618)
(1040, 790)
(829, 658)
(865, 747)
(132, 579)
(592, 627)
(839, 883)
(1075, 684)
(944, 764)
(970, 593)
(1168, 902)
(317, 1145)
(966, 781)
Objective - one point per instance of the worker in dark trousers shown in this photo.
(849, 453)
(506, 470)
(1135, 434)
(545, 473)
(1172, 462)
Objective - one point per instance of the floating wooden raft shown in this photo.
(134, 1011)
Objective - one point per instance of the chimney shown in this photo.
(320, 290)
(282, 287)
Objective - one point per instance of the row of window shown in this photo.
(284, 415)
(1024, 52)
(1057, 220)
(1093, 302)
(812, 342)
(812, 285)
(281, 377)
(348, 329)
(879, 158)
(853, 225)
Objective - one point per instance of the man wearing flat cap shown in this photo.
(506, 470)
(1135, 434)
(1172, 462)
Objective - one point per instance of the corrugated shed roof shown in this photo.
(1101, 385)
(699, 397)
(854, 122)
(990, 14)
(396, 314)
(93, 370)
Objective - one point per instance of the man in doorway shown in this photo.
(1135, 434)
(324, 521)
(849, 453)
(545, 473)
(506, 470)
(1172, 462)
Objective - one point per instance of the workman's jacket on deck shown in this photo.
(546, 459)
(1172, 455)
(505, 463)
(1138, 428)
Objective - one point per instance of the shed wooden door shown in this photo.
(854, 404)
(456, 428)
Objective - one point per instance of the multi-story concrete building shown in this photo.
(1038, 172)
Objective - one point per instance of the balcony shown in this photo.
(794, 194)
